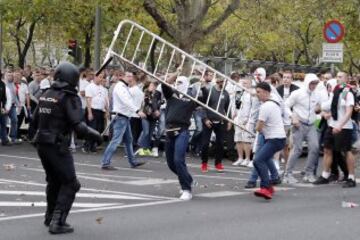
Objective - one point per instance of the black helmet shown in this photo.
(67, 74)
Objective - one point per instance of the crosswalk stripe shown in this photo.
(43, 204)
(78, 195)
(220, 194)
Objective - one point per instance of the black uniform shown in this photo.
(56, 116)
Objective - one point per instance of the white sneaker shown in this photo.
(155, 152)
(290, 179)
(245, 163)
(238, 162)
(186, 195)
(309, 179)
(251, 164)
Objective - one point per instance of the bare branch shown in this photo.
(229, 10)
(150, 7)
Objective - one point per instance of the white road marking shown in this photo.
(220, 194)
(94, 209)
(90, 174)
(79, 164)
(43, 204)
(151, 181)
(304, 185)
(276, 189)
(221, 177)
(143, 182)
(92, 190)
(78, 195)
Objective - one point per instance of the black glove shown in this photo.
(83, 131)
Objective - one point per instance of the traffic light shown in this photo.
(72, 46)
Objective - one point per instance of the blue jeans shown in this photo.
(122, 132)
(175, 150)
(264, 156)
(13, 123)
(3, 133)
(146, 133)
(270, 164)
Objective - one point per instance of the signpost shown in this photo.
(333, 31)
(332, 51)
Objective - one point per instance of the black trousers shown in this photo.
(136, 128)
(219, 130)
(339, 161)
(62, 184)
(98, 123)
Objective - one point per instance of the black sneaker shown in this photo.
(349, 184)
(109, 167)
(137, 164)
(333, 178)
(275, 182)
(250, 185)
(321, 180)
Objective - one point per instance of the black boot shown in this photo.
(58, 223)
(48, 217)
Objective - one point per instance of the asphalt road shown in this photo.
(143, 203)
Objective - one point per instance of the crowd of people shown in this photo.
(274, 115)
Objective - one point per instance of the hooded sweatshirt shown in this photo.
(303, 101)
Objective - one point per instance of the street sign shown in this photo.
(333, 31)
(333, 52)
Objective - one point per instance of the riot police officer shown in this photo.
(56, 116)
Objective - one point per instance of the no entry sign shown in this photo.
(333, 31)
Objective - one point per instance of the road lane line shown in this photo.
(93, 190)
(3, 219)
(44, 204)
(220, 194)
(79, 164)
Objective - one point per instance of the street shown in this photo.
(143, 203)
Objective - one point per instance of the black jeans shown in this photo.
(339, 161)
(62, 184)
(219, 130)
(98, 124)
(136, 128)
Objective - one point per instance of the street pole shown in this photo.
(97, 37)
(1, 40)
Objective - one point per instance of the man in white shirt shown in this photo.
(83, 83)
(338, 136)
(23, 106)
(124, 107)
(97, 104)
(270, 124)
(5, 105)
(305, 104)
(135, 121)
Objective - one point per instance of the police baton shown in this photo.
(104, 66)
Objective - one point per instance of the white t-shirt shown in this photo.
(286, 93)
(343, 102)
(82, 85)
(270, 114)
(138, 98)
(98, 96)
(22, 92)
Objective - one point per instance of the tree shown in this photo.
(191, 18)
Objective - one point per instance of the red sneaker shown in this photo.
(264, 192)
(219, 167)
(272, 190)
(204, 167)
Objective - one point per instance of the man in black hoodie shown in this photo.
(178, 112)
